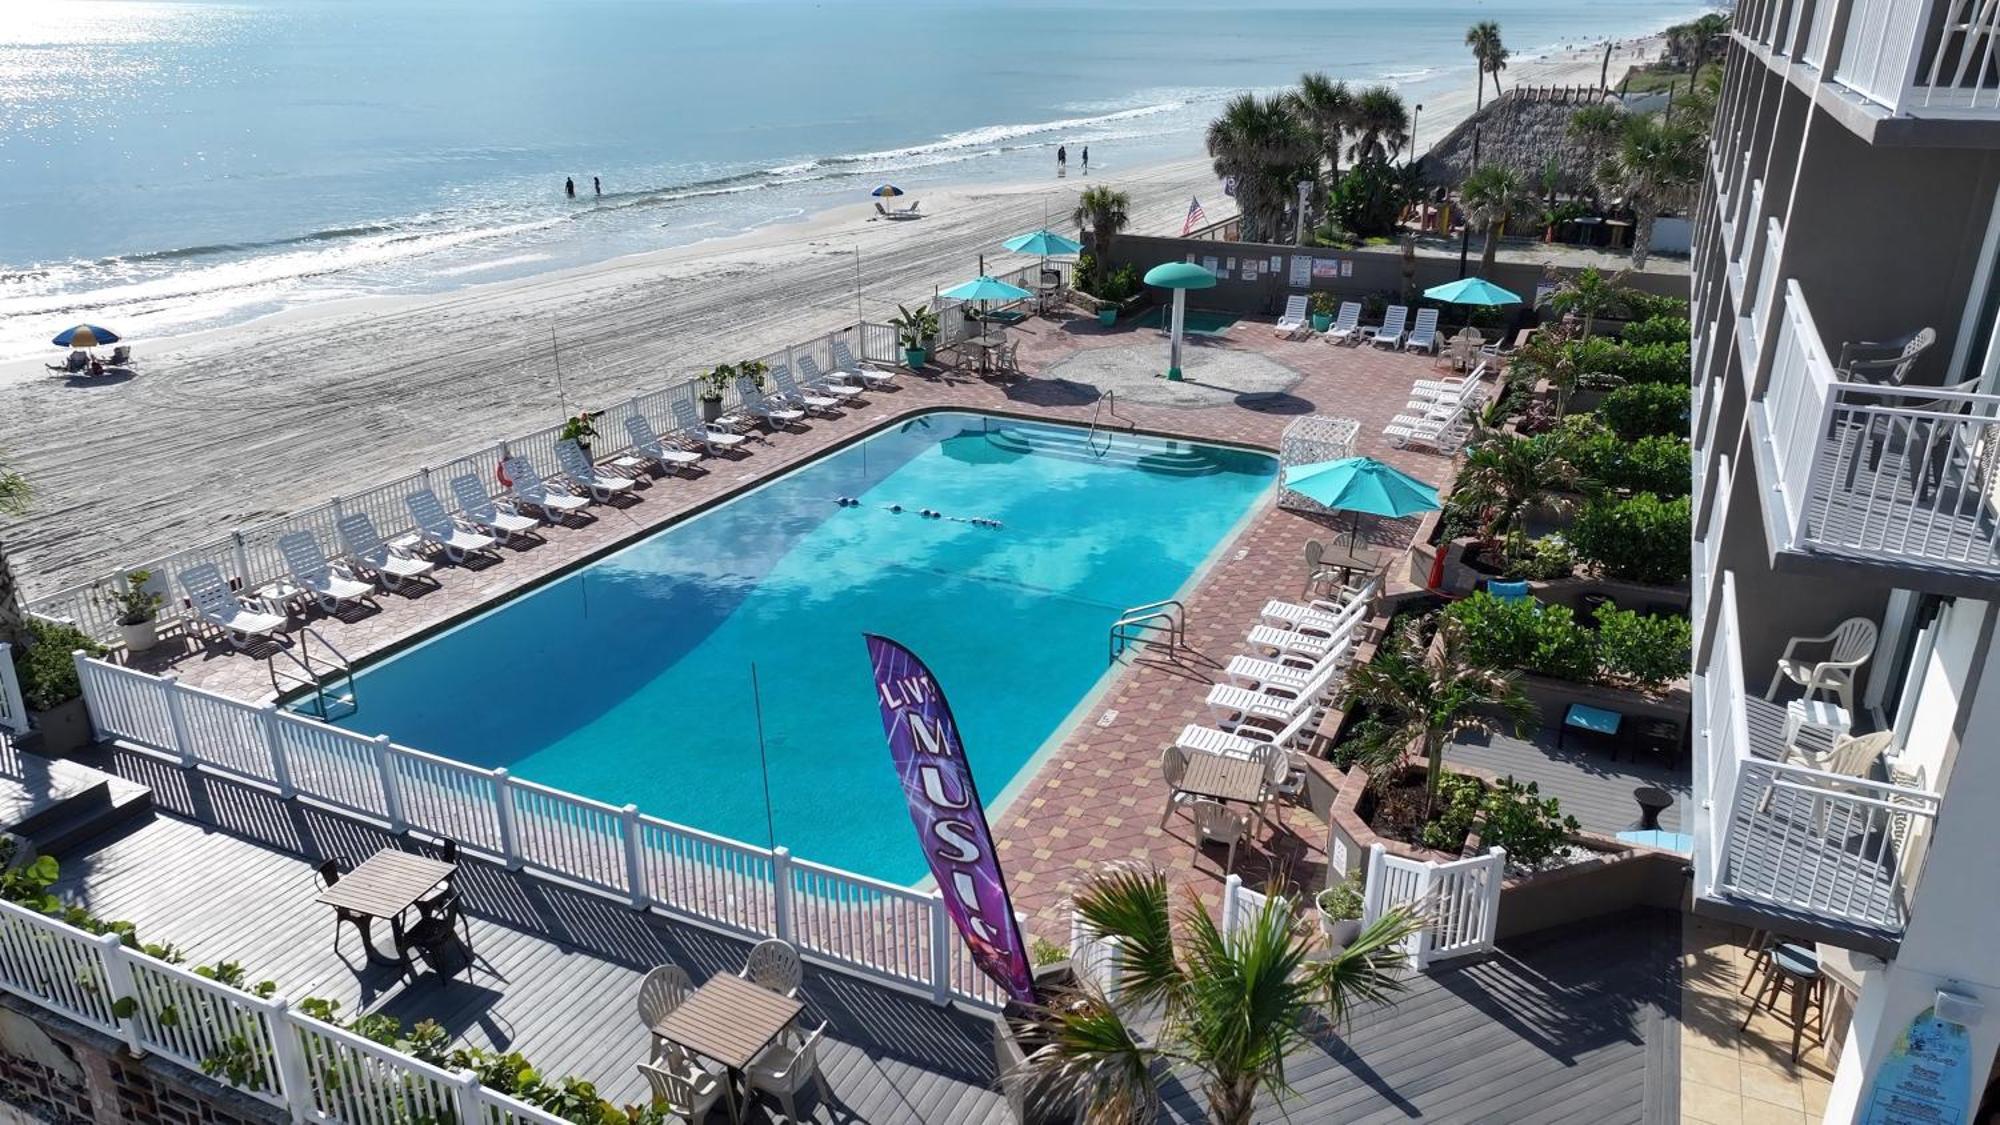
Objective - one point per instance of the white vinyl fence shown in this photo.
(871, 928)
(13, 712)
(1457, 903)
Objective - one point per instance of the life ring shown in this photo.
(500, 472)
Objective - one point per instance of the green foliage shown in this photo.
(1549, 556)
(1523, 633)
(135, 604)
(1657, 464)
(1456, 804)
(578, 428)
(1507, 476)
(1120, 285)
(1650, 306)
(1625, 364)
(1342, 901)
(915, 327)
(1646, 650)
(1644, 538)
(1370, 197)
(46, 670)
(1657, 330)
(1646, 410)
(1042, 951)
(1531, 828)
(1325, 303)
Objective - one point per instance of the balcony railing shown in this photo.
(1882, 473)
(1784, 834)
(1919, 58)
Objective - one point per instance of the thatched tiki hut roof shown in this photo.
(1521, 129)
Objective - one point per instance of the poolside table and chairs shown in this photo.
(387, 886)
(746, 1023)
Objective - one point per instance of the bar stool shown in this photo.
(1794, 969)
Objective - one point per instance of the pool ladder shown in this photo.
(1144, 622)
(1109, 399)
(330, 677)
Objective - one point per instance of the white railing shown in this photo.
(849, 921)
(1100, 961)
(13, 712)
(1772, 253)
(1457, 904)
(1724, 725)
(879, 344)
(1820, 38)
(1916, 58)
(1832, 829)
(1878, 56)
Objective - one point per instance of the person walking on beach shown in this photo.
(1086, 160)
(569, 186)
(597, 186)
(1062, 160)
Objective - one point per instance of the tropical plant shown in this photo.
(1656, 330)
(1490, 196)
(1525, 634)
(1231, 1006)
(1267, 150)
(1506, 476)
(1423, 695)
(1326, 108)
(1103, 211)
(45, 667)
(1381, 124)
(1596, 129)
(1371, 195)
(1655, 165)
(14, 495)
(135, 604)
(1642, 538)
(1548, 556)
(1458, 804)
(1648, 650)
(1491, 55)
(579, 428)
(1587, 295)
(1531, 828)
(915, 327)
(1342, 901)
(1646, 410)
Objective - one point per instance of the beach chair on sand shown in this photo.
(372, 557)
(1390, 332)
(1346, 326)
(436, 529)
(1424, 336)
(712, 438)
(1294, 325)
(855, 369)
(813, 378)
(529, 488)
(215, 604)
(580, 473)
(76, 362)
(121, 356)
(648, 447)
(484, 514)
(331, 586)
(760, 405)
(790, 391)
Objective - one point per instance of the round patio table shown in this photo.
(1652, 802)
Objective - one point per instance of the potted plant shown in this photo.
(1323, 308)
(1340, 913)
(712, 386)
(50, 688)
(579, 430)
(1107, 314)
(916, 330)
(137, 608)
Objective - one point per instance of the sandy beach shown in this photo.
(222, 428)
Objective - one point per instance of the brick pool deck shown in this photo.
(1097, 797)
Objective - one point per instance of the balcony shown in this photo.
(1903, 477)
(1811, 853)
(1918, 58)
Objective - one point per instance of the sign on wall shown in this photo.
(1326, 269)
(1925, 1078)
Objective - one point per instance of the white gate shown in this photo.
(1458, 903)
(13, 713)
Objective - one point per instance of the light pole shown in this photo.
(1414, 115)
(1305, 189)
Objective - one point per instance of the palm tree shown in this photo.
(1703, 36)
(1425, 694)
(1490, 196)
(1326, 108)
(1262, 145)
(1232, 1006)
(1484, 39)
(1657, 163)
(13, 616)
(1103, 211)
(1381, 124)
(1507, 476)
(1589, 295)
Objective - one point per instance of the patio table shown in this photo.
(729, 1020)
(385, 885)
(1224, 778)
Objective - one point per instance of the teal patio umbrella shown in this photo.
(984, 288)
(1472, 291)
(1179, 277)
(1362, 484)
(1044, 243)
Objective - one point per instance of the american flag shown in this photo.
(1195, 215)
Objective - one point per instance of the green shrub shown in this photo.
(46, 669)
(1548, 557)
(1644, 538)
(1658, 330)
(1646, 410)
(1523, 633)
(1649, 651)
(1659, 464)
(1647, 306)
(1451, 817)
(1631, 363)
(1531, 828)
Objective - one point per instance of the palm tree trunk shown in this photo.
(1492, 245)
(13, 616)
(1642, 232)
(1479, 101)
(1230, 1101)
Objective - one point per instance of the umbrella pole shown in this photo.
(1174, 348)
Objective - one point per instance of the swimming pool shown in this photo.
(629, 680)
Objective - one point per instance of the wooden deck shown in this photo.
(1593, 786)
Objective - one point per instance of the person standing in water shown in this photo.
(1086, 160)
(1062, 160)
(597, 186)
(569, 186)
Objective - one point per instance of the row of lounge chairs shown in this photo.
(1440, 412)
(367, 562)
(1395, 331)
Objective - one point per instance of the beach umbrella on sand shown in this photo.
(1362, 484)
(85, 336)
(1179, 277)
(1472, 291)
(887, 191)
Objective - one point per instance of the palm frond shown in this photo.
(1130, 904)
(1090, 1054)
(1370, 970)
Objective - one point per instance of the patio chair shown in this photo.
(1275, 704)
(760, 405)
(686, 1091)
(529, 488)
(1444, 390)
(1891, 362)
(790, 391)
(1295, 672)
(869, 375)
(1849, 646)
(1927, 436)
(1320, 614)
(712, 438)
(214, 603)
(77, 361)
(331, 586)
(1346, 326)
(649, 447)
(1444, 432)
(783, 1069)
(1424, 336)
(662, 990)
(371, 556)
(1317, 573)
(1217, 823)
(812, 377)
(330, 872)
(1294, 325)
(774, 964)
(439, 531)
(1390, 332)
(580, 473)
(484, 514)
(1282, 781)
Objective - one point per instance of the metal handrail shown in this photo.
(1148, 616)
(1109, 398)
(307, 676)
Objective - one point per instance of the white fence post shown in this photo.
(294, 1081)
(392, 797)
(781, 891)
(940, 950)
(1230, 887)
(13, 712)
(170, 685)
(274, 744)
(635, 866)
(1420, 952)
(1489, 909)
(1373, 888)
(83, 676)
(242, 554)
(503, 808)
(118, 982)
(471, 1108)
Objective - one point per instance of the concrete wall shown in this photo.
(55, 1070)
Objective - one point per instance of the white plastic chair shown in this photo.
(1346, 326)
(774, 964)
(1293, 324)
(1173, 767)
(390, 565)
(1390, 332)
(1423, 337)
(577, 469)
(437, 529)
(330, 585)
(660, 992)
(782, 1070)
(1850, 645)
(217, 605)
(688, 1092)
(1217, 823)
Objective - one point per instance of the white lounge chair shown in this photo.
(330, 585)
(438, 530)
(1289, 670)
(1424, 335)
(374, 557)
(1443, 432)
(1233, 706)
(1389, 333)
(214, 603)
(1293, 324)
(712, 438)
(529, 488)
(1247, 741)
(813, 378)
(648, 446)
(1346, 326)
(1436, 389)
(760, 405)
(580, 473)
(855, 369)
(1463, 398)
(1324, 615)
(483, 513)
(790, 391)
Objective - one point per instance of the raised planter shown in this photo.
(63, 729)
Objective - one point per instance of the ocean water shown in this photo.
(172, 166)
(630, 680)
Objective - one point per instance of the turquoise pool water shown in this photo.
(629, 680)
